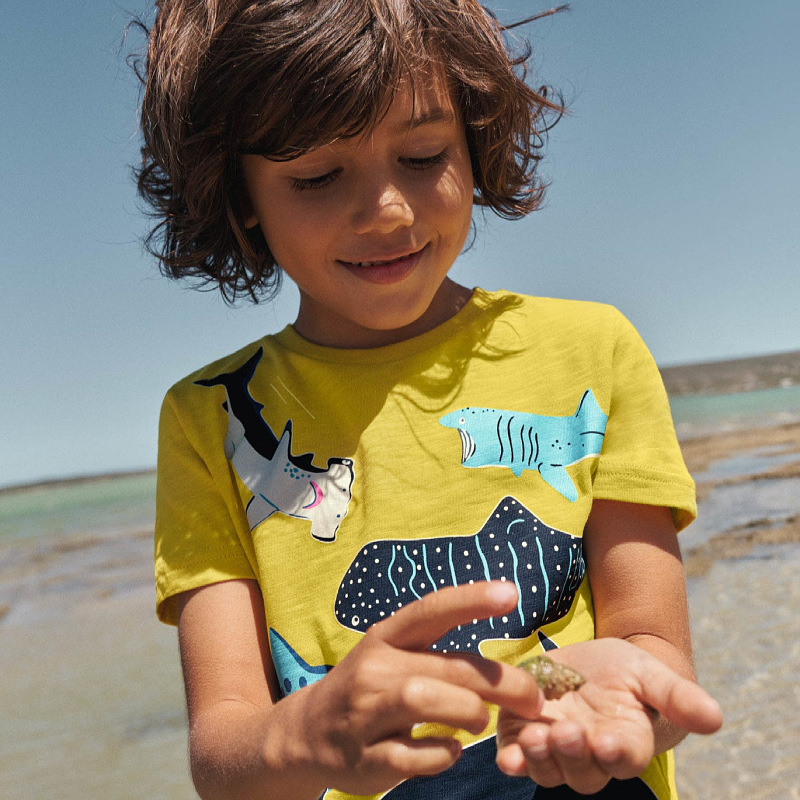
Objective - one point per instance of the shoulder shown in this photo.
(559, 321)
(223, 370)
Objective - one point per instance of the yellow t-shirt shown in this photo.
(351, 482)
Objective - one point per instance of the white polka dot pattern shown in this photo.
(514, 545)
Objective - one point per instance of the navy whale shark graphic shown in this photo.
(520, 441)
(544, 563)
(280, 481)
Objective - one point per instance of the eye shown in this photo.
(317, 182)
(427, 162)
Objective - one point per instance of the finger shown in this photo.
(510, 758)
(493, 681)
(501, 684)
(540, 764)
(681, 701)
(570, 750)
(419, 698)
(418, 625)
(408, 757)
(622, 755)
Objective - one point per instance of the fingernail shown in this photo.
(502, 593)
(538, 751)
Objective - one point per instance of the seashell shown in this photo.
(554, 679)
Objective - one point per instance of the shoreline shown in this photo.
(700, 454)
(738, 542)
(80, 607)
(75, 480)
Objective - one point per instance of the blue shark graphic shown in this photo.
(544, 563)
(280, 481)
(293, 672)
(520, 441)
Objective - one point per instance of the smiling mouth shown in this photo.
(377, 263)
(384, 262)
(385, 271)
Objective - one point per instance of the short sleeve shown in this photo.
(641, 460)
(198, 537)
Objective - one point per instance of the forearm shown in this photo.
(241, 751)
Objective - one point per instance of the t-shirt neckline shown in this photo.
(291, 340)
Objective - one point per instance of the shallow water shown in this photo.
(746, 631)
(91, 697)
(697, 415)
(729, 507)
(750, 463)
(124, 503)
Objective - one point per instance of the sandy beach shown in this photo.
(91, 691)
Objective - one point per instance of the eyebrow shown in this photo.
(435, 115)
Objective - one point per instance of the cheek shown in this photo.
(456, 200)
(289, 230)
(459, 180)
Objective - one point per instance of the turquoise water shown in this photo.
(696, 415)
(127, 503)
(91, 682)
(108, 505)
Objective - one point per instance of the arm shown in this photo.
(352, 729)
(639, 589)
(641, 697)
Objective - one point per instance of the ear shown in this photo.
(249, 217)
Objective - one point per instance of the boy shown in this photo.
(322, 536)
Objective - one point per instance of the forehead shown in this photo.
(285, 123)
(422, 97)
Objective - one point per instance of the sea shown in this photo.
(91, 696)
(117, 504)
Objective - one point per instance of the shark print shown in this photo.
(544, 563)
(280, 482)
(520, 441)
(293, 672)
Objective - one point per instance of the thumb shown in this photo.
(680, 700)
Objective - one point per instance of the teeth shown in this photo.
(376, 263)
(467, 445)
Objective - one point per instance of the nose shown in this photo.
(381, 207)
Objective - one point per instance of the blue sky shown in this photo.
(675, 190)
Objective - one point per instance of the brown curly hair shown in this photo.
(280, 77)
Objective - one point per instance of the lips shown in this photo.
(378, 259)
(385, 270)
(378, 263)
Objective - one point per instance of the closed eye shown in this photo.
(320, 181)
(317, 182)
(427, 162)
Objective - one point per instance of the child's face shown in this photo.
(369, 227)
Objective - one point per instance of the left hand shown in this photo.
(607, 729)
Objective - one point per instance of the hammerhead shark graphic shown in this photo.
(280, 481)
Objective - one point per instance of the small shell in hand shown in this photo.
(554, 679)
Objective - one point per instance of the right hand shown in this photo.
(356, 723)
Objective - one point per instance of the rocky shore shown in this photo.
(93, 681)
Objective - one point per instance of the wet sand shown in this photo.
(91, 691)
(91, 697)
(744, 597)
